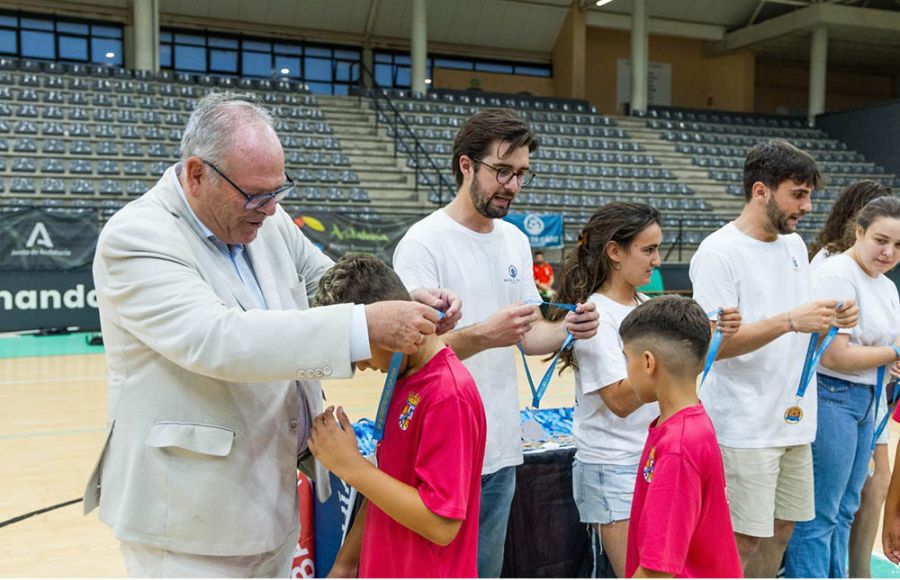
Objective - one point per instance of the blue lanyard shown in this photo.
(538, 394)
(714, 345)
(879, 385)
(388, 392)
(813, 355)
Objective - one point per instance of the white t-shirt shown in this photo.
(601, 436)
(820, 257)
(746, 396)
(488, 272)
(839, 277)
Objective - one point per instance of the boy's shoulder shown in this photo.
(688, 432)
(445, 376)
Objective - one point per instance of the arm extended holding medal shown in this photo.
(816, 316)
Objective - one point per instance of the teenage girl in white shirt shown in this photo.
(616, 254)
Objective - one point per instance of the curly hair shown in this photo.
(838, 232)
(359, 279)
(585, 269)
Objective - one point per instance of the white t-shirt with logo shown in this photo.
(747, 396)
(601, 436)
(839, 277)
(488, 272)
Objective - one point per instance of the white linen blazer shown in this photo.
(204, 391)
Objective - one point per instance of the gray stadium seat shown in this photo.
(22, 185)
(53, 185)
(82, 187)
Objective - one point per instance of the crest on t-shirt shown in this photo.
(795, 263)
(408, 409)
(648, 467)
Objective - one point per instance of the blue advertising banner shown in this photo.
(332, 522)
(544, 230)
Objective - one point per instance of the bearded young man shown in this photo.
(487, 262)
(759, 264)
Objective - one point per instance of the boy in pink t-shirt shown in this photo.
(420, 517)
(680, 522)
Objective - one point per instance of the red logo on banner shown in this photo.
(304, 554)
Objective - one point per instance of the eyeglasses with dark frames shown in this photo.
(257, 200)
(505, 174)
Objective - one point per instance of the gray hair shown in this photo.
(209, 133)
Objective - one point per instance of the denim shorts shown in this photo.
(603, 492)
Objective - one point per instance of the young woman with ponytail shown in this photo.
(616, 254)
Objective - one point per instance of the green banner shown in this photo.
(338, 233)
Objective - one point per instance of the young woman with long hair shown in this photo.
(616, 254)
(836, 237)
(847, 386)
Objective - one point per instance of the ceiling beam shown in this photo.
(756, 11)
(599, 19)
(69, 8)
(839, 17)
(370, 20)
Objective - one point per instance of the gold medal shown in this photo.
(793, 415)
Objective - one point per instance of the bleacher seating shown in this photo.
(583, 161)
(719, 142)
(73, 132)
(94, 136)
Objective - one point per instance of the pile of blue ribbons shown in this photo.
(556, 423)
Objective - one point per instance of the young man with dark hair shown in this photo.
(420, 517)
(680, 525)
(488, 263)
(759, 264)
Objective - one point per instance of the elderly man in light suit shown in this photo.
(213, 353)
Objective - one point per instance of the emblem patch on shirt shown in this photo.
(408, 409)
(513, 271)
(648, 467)
(795, 263)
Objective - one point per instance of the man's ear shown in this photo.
(194, 173)
(466, 167)
(759, 190)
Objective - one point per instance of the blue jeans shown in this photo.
(841, 453)
(497, 490)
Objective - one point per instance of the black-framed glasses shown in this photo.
(505, 174)
(257, 200)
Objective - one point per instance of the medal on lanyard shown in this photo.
(714, 344)
(387, 392)
(794, 414)
(531, 429)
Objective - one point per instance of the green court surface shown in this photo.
(883, 568)
(14, 346)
